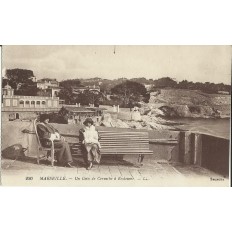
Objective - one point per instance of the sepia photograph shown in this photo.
(115, 115)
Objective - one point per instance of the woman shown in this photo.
(46, 133)
(89, 139)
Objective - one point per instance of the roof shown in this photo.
(53, 81)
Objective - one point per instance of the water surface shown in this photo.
(216, 127)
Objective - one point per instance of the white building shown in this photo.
(50, 86)
(46, 83)
(19, 107)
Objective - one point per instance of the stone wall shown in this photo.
(21, 115)
(205, 150)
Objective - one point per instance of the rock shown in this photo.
(182, 111)
(148, 122)
(120, 124)
(107, 117)
(157, 112)
(135, 125)
(106, 124)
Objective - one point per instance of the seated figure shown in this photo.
(46, 133)
(89, 139)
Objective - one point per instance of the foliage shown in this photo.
(165, 82)
(67, 95)
(129, 91)
(21, 80)
(67, 84)
(142, 80)
(206, 87)
(90, 97)
(61, 117)
(16, 76)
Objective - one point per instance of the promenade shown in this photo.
(110, 172)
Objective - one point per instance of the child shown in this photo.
(91, 135)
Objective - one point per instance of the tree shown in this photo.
(67, 95)
(61, 117)
(183, 84)
(165, 82)
(70, 83)
(90, 97)
(129, 91)
(21, 80)
(22, 76)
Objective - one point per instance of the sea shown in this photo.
(216, 127)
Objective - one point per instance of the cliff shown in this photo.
(190, 103)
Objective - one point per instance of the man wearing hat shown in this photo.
(46, 133)
(89, 139)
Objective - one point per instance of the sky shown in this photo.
(192, 63)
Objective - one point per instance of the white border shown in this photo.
(115, 22)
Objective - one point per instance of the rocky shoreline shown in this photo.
(179, 103)
(146, 122)
(162, 118)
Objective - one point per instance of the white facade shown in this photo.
(47, 83)
(11, 100)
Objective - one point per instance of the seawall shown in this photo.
(188, 148)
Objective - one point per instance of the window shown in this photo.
(21, 102)
(37, 102)
(7, 102)
(49, 103)
(33, 102)
(11, 117)
(43, 102)
(15, 102)
(27, 102)
(55, 104)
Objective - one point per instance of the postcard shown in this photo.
(115, 115)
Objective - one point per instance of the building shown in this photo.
(148, 86)
(224, 92)
(46, 83)
(49, 87)
(49, 92)
(21, 107)
(78, 114)
(81, 89)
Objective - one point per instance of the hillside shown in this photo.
(191, 103)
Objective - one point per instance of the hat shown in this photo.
(43, 117)
(88, 120)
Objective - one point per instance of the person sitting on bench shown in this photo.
(89, 139)
(46, 133)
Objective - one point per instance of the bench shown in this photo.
(121, 143)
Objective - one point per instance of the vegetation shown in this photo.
(165, 82)
(70, 83)
(124, 92)
(207, 87)
(61, 117)
(130, 92)
(21, 80)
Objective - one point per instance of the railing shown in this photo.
(30, 97)
(29, 109)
